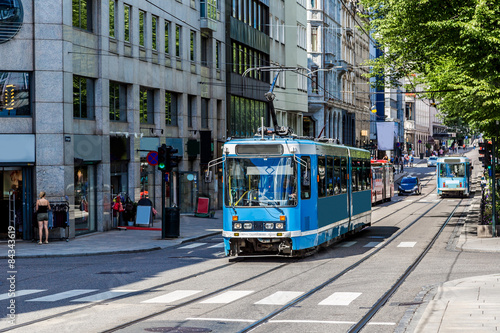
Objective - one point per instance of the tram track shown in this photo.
(382, 300)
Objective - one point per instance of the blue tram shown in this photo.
(288, 195)
(453, 176)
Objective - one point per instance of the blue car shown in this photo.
(410, 185)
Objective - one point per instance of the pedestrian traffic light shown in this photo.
(162, 157)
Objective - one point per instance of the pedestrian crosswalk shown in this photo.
(281, 297)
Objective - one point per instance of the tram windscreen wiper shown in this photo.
(269, 201)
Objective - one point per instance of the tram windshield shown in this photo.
(452, 170)
(261, 182)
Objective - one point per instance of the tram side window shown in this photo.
(329, 176)
(336, 176)
(354, 175)
(321, 177)
(345, 176)
(305, 179)
(367, 169)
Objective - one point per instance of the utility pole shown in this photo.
(494, 185)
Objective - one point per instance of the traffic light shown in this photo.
(173, 161)
(162, 157)
(485, 149)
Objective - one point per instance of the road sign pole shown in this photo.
(493, 187)
(163, 221)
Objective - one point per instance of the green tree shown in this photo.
(453, 46)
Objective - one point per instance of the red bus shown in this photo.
(382, 173)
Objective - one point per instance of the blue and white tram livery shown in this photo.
(453, 176)
(288, 196)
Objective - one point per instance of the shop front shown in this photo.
(17, 158)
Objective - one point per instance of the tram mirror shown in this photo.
(208, 176)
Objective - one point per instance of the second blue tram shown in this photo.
(453, 176)
(288, 196)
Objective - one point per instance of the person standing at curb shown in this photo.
(42, 208)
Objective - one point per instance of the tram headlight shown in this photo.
(279, 225)
(247, 225)
(237, 225)
(269, 225)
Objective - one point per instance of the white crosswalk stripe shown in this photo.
(228, 297)
(192, 246)
(20, 293)
(103, 296)
(173, 296)
(280, 297)
(340, 298)
(373, 244)
(347, 244)
(62, 295)
(216, 246)
(407, 244)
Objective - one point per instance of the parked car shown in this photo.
(410, 185)
(432, 161)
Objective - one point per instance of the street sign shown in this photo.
(152, 158)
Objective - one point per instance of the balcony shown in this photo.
(208, 15)
(329, 60)
(409, 125)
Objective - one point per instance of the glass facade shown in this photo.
(15, 94)
(246, 116)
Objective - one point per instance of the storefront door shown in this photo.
(188, 191)
(84, 209)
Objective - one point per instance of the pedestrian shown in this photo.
(42, 207)
(117, 209)
(401, 163)
(411, 160)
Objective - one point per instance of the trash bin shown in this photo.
(172, 223)
(421, 156)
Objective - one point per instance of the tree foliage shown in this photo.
(453, 46)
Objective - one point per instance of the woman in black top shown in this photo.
(42, 208)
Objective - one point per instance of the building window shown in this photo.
(154, 30)
(146, 105)
(245, 116)
(117, 101)
(234, 8)
(204, 51)
(82, 14)
(141, 27)
(15, 94)
(177, 41)
(192, 41)
(314, 80)
(208, 9)
(205, 102)
(167, 32)
(83, 97)
(217, 54)
(112, 6)
(126, 19)
(171, 107)
(314, 39)
(191, 109)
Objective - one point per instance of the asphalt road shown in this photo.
(195, 288)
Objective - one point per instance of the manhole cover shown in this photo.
(178, 329)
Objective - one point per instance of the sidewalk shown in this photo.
(119, 241)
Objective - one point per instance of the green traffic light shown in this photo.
(161, 166)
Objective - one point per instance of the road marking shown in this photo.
(373, 244)
(173, 296)
(228, 297)
(280, 297)
(347, 244)
(192, 246)
(103, 296)
(63, 295)
(20, 293)
(407, 244)
(328, 322)
(224, 320)
(216, 246)
(340, 298)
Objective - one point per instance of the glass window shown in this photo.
(85, 199)
(83, 97)
(268, 182)
(191, 106)
(204, 51)
(15, 97)
(167, 31)
(205, 104)
(192, 41)
(170, 108)
(329, 176)
(305, 178)
(345, 175)
(146, 105)
(142, 16)
(321, 177)
(154, 30)
(177, 41)
(126, 19)
(112, 6)
(217, 54)
(82, 14)
(314, 39)
(117, 101)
